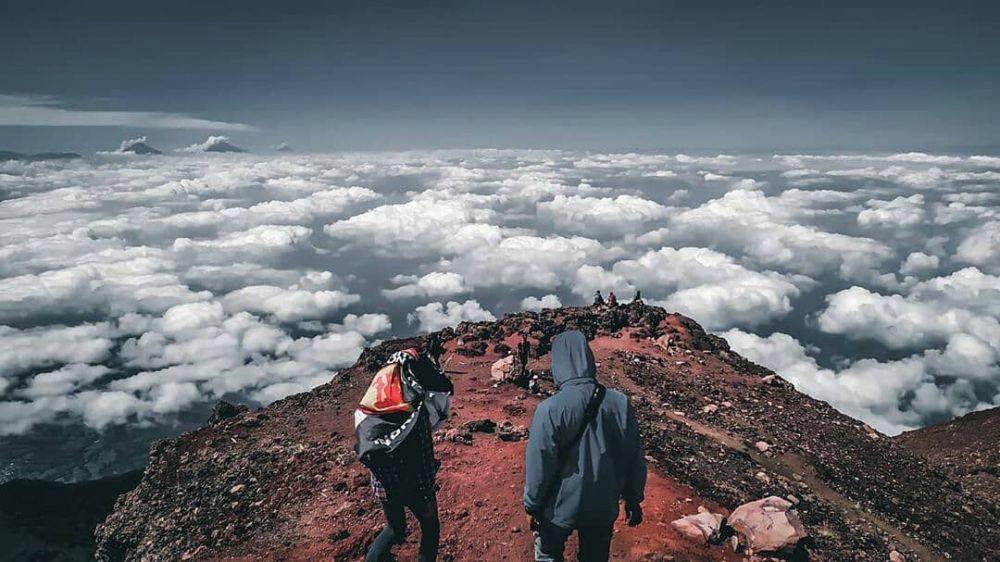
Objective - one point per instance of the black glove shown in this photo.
(633, 514)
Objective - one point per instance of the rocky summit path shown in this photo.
(283, 484)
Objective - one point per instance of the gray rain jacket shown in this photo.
(607, 463)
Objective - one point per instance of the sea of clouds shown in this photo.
(136, 291)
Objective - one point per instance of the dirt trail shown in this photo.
(480, 495)
(796, 467)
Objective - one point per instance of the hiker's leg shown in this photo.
(430, 529)
(550, 542)
(595, 543)
(393, 534)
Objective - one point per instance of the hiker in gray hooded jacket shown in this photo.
(574, 480)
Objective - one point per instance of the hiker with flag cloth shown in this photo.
(407, 399)
(584, 456)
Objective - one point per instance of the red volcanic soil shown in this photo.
(480, 490)
(283, 483)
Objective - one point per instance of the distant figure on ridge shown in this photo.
(612, 299)
(598, 298)
(406, 400)
(584, 455)
(435, 349)
(637, 299)
(523, 352)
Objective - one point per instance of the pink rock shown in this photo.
(663, 342)
(710, 409)
(700, 528)
(762, 446)
(768, 525)
(502, 369)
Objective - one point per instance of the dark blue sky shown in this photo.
(740, 76)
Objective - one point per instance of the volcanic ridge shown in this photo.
(283, 483)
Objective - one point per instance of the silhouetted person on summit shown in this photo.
(612, 299)
(584, 455)
(435, 349)
(598, 298)
(637, 299)
(523, 352)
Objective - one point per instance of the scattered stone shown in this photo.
(762, 446)
(237, 488)
(895, 556)
(514, 409)
(769, 525)
(870, 431)
(224, 410)
(480, 426)
(701, 528)
(503, 369)
(507, 431)
(763, 477)
(709, 409)
(663, 342)
(459, 435)
(191, 555)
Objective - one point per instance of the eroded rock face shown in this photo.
(769, 525)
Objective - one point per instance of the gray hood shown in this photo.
(572, 358)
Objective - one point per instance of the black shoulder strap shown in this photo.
(593, 406)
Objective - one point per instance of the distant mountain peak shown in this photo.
(137, 146)
(214, 144)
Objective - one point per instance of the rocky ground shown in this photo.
(967, 449)
(283, 484)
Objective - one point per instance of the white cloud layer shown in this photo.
(590, 215)
(536, 304)
(435, 316)
(434, 284)
(701, 283)
(967, 301)
(133, 290)
(892, 396)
